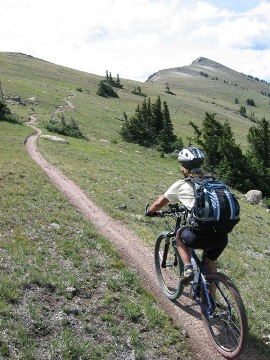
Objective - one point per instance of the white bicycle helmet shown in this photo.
(191, 158)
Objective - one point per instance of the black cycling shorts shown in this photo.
(213, 244)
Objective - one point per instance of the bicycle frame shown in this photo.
(195, 286)
(222, 309)
(202, 271)
(201, 281)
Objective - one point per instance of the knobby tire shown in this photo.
(227, 328)
(168, 268)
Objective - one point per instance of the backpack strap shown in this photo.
(187, 178)
(207, 205)
(200, 179)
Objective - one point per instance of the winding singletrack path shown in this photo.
(185, 312)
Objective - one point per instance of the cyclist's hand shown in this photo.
(156, 213)
(151, 214)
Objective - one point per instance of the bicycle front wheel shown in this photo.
(226, 324)
(169, 266)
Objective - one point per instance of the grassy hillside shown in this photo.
(64, 291)
(114, 173)
(195, 94)
(209, 86)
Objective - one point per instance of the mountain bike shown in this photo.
(222, 309)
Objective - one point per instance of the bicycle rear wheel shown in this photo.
(227, 324)
(169, 266)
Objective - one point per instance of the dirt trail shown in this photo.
(136, 255)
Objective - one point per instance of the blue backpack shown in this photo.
(216, 210)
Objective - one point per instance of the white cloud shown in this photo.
(245, 33)
(138, 37)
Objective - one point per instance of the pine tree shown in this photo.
(147, 118)
(110, 78)
(198, 136)
(259, 141)
(167, 138)
(151, 126)
(105, 90)
(208, 138)
(168, 126)
(250, 102)
(232, 167)
(243, 111)
(4, 110)
(6, 115)
(223, 156)
(134, 129)
(157, 116)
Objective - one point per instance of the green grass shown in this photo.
(109, 178)
(39, 227)
(98, 117)
(64, 291)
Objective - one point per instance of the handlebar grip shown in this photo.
(156, 213)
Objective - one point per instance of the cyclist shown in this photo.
(191, 160)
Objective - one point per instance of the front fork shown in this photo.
(169, 241)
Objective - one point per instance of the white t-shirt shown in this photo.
(181, 191)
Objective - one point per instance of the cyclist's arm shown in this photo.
(158, 204)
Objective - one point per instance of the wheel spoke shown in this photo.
(168, 267)
(227, 324)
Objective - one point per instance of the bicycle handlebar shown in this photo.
(173, 209)
(156, 213)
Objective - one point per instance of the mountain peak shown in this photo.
(195, 69)
(202, 61)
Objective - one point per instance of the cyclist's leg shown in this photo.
(187, 240)
(213, 248)
(184, 251)
(210, 256)
(210, 264)
(185, 254)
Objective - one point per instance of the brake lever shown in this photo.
(146, 208)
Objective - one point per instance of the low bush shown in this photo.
(6, 115)
(64, 128)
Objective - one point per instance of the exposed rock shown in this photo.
(16, 98)
(72, 291)
(121, 207)
(54, 138)
(253, 197)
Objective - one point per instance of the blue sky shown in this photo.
(135, 38)
(234, 5)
